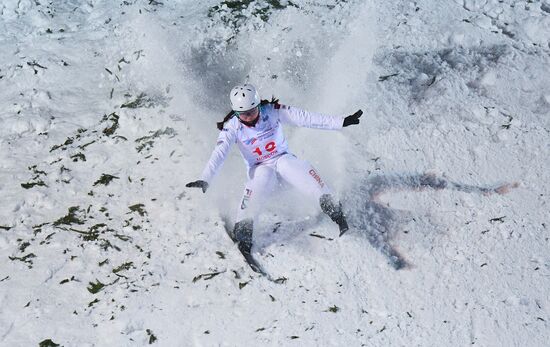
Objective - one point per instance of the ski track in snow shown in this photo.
(109, 108)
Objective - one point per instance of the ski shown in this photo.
(253, 264)
(248, 257)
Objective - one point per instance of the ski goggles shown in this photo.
(247, 113)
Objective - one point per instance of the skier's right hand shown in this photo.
(352, 119)
(198, 184)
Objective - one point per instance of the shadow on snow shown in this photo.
(375, 220)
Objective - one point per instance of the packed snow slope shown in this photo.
(109, 107)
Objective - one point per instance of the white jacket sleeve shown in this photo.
(301, 118)
(223, 145)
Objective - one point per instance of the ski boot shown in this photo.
(242, 236)
(334, 211)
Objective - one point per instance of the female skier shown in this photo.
(256, 128)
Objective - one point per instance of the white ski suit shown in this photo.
(265, 151)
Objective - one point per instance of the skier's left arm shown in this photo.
(298, 117)
(225, 139)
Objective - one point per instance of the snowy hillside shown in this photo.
(107, 109)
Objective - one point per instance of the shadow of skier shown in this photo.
(376, 220)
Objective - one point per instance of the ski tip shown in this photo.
(257, 269)
(343, 231)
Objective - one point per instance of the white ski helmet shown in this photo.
(244, 97)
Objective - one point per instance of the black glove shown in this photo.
(353, 119)
(198, 184)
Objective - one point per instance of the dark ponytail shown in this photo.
(273, 101)
(225, 119)
(230, 115)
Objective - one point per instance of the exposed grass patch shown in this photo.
(152, 337)
(281, 280)
(48, 343)
(38, 228)
(47, 239)
(333, 309)
(67, 280)
(139, 208)
(86, 144)
(74, 216)
(113, 119)
(105, 179)
(30, 185)
(93, 302)
(78, 157)
(36, 180)
(24, 246)
(96, 287)
(123, 237)
(106, 245)
(139, 101)
(145, 101)
(35, 65)
(64, 145)
(93, 232)
(231, 11)
(147, 142)
(25, 259)
(207, 276)
(123, 267)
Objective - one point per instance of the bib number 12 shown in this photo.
(270, 147)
